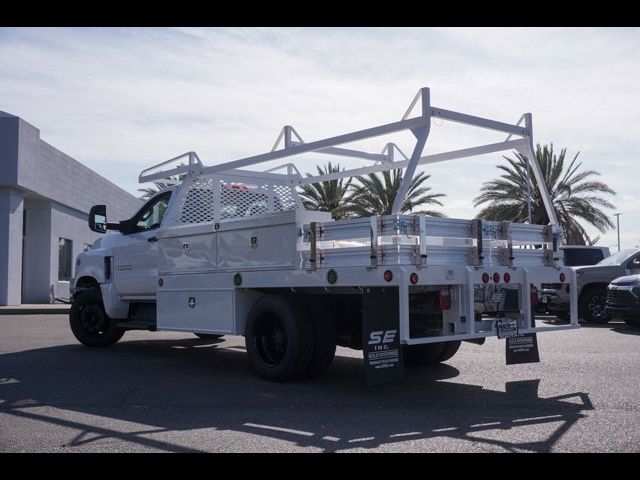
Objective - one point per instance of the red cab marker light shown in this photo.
(485, 277)
(388, 275)
(496, 277)
(507, 277)
(413, 278)
(563, 277)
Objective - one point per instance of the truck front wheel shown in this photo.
(279, 338)
(89, 322)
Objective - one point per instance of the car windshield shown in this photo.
(619, 258)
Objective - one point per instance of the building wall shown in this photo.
(52, 174)
(11, 205)
(72, 225)
(37, 255)
(57, 192)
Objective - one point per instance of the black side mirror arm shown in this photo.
(126, 226)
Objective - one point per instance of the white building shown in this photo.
(45, 197)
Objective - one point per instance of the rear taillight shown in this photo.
(388, 275)
(413, 278)
(507, 277)
(563, 277)
(444, 298)
(485, 277)
(534, 296)
(496, 277)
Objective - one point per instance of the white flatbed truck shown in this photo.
(230, 250)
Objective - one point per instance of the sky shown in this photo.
(123, 99)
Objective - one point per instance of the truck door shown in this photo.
(633, 265)
(135, 260)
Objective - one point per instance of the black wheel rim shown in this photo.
(93, 320)
(271, 340)
(597, 307)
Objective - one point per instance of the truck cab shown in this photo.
(124, 264)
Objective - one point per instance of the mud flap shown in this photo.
(381, 335)
(522, 349)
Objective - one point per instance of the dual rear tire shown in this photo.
(430, 353)
(287, 339)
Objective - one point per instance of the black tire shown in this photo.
(564, 316)
(448, 351)
(325, 337)
(279, 338)
(208, 336)
(592, 305)
(89, 322)
(425, 354)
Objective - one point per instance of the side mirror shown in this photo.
(98, 218)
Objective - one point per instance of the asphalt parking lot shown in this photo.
(171, 392)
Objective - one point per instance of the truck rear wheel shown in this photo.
(430, 353)
(448, 351)
(324, 338)
(90, 323)
(279, 338)
(592, 305)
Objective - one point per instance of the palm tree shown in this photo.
(148, 192)
(328, 196)
(375, 195)
(574, 195)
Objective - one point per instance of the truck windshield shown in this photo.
(619, 258)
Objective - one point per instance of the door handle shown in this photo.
(152, 239)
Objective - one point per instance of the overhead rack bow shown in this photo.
(292, 144)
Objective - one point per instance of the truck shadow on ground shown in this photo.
(150, 390)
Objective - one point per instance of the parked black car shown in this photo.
(623, 299)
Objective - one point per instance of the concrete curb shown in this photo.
(59, 309)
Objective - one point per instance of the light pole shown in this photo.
(618, 223)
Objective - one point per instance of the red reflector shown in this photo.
(444, 298)
(413, 278)
(485, 277)
(388, 275)
(496, 277)
(534, 296)
(563, 277)
(160, 282)
(507, 277)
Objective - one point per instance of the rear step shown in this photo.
(151, 326)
